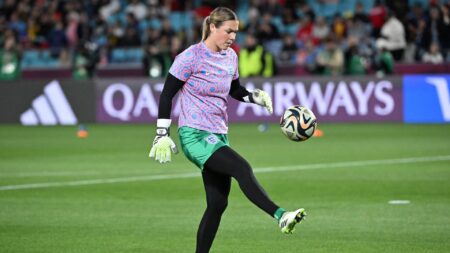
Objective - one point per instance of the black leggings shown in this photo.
(223, 165)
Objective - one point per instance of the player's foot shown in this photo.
(290, 219)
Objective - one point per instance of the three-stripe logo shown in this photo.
(49, 108)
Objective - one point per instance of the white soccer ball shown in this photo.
(298, 123)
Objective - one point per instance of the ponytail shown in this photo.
(206, 30)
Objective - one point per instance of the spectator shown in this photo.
(288, 50)
(267, 31)
(320, 30)
(445, 38)
(176, 47)
(305, 10)
(156, 63)
(130, 39)
(32, 31)
(433, 56)
(72, 29)
(138, 9)
(330, 61)
(85, 60)
(8, 8)
(393, 37)
(355, 63)
(289, 17)
(115, 33)
(384, 62)
(305, 30)
(360, 14)
(377, 16)
(9, 56)
(131, 21)
(412, 20)
(307, 56)
(272, 6)
(18, 25)
(153, 9)
(166, 29)
(356, 28)
(109, 8)
(436, 29)
(254, 60)
(57, 39)
(338, 27)
(253, 21)
(153, 35)
(80, 65)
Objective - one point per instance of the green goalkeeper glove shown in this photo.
(163, 144)
(261, 97)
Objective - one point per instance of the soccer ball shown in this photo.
(298, 123)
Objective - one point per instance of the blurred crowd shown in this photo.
(324, 37)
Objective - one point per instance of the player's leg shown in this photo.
(228, 162)
(217, 188)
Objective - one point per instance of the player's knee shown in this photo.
(245, 170)
(218, 205)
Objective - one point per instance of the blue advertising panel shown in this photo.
(426, 98)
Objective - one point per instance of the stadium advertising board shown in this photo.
(333, 100)
(426, 98)
(47, 102)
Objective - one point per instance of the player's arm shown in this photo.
(171, 86)
(260, 97)
(162, 144)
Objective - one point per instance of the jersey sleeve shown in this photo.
(171, 86)
(183, 65)
(237, 91)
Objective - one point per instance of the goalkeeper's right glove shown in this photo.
(163, 144)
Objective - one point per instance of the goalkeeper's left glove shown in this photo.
(261, 97)
(163, 144)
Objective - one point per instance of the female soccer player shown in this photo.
(204, 75)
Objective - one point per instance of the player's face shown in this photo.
(225, 34)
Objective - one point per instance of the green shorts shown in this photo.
(199, 145)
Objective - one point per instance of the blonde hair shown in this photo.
(217, 17)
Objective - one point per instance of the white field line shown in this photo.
(49, 174)
(70, 173)
(257, 170)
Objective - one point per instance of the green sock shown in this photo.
(278, 213)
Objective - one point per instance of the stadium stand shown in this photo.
(47, 34)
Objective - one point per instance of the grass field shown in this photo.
(59, 193)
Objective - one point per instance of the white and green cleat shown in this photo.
(290, 219)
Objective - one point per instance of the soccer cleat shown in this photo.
(290, 219)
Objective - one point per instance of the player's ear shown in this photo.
(212, 27)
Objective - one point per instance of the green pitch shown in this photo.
(59, 193)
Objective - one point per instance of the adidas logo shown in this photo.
(49, 108)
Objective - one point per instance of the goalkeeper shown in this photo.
(204, 75)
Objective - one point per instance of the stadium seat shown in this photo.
(278, 22)
(176, 19)
(274, 46)
(292, 28)
(153, 23)
(187, 20)
(134, 55)
(127, 55)
(118, 55)
(38, 59)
